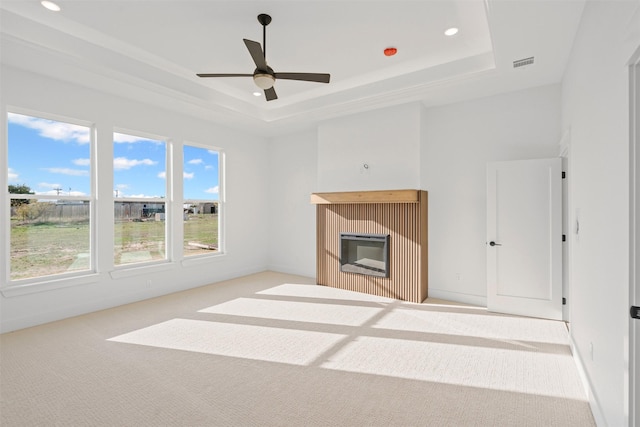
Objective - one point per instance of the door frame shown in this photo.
(567, 207)
(634, 236)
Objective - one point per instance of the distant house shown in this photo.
(137, 210)
(208, 208)
(202, 208)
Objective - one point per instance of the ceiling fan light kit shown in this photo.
(263, 76)
(264, 81)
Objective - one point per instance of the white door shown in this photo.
(524, 237)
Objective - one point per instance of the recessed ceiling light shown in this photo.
(50, 5)
(257, 93)
(451, 31)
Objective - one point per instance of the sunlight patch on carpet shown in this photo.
(541, 373)
(474, 325)
(295, 311)
(243, 341)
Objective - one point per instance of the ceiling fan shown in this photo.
(264, 77)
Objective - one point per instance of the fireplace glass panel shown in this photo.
(365, 254)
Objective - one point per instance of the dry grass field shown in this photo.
(40, 248)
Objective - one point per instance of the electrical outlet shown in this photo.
(458, 277)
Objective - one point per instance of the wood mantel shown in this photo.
(385, 196)
(399, 214)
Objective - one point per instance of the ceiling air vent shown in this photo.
(523, 62)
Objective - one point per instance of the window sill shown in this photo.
(137, 270)
(202, 259)
(48, 285)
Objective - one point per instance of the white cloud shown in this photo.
(119, 190)
(208, 167)
(195, 161)
(81, 162)
(186, 175)
(48, 185)
(143, 196)
(213, 190)
(58, 131)
(121, 163)
(55, 193)
(121, 138)
(67, 171)
(13, 177)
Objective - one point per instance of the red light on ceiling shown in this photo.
(390, 51)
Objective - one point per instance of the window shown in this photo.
(201, 207)
(51, 197)
(140, 204)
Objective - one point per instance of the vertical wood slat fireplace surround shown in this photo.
(401, 214)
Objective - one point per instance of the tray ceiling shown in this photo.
(152, 50)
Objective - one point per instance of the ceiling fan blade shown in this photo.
(307, 77)
(255, 50)
(224, 75)
(270, 94)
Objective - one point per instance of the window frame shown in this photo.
(134, 268)
(9, 287)
(198, 258)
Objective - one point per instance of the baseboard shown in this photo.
(458, 297)
(593, 399)
(291, 270)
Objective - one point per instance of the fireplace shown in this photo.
(374, 242)
(364, 254)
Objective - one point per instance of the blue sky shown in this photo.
(52, 157)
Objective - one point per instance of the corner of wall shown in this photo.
(594, 404)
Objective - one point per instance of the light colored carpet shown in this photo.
(276, 350)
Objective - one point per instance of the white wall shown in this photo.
(331, 158)
(387, 140)
(293, 168)
(443, 150)
(458, 142)
(595, 108)
(246, 209)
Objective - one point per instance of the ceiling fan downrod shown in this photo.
(264, 20)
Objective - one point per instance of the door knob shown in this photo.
(492, 243)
